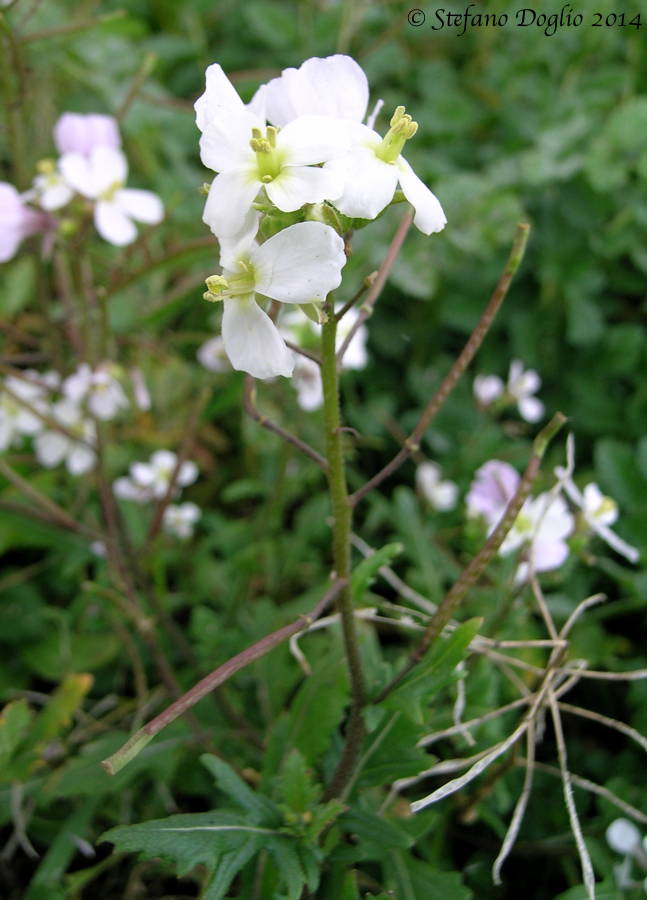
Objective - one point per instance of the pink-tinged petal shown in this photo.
(300, 264)
(549, 555)
(17, 221)
(229, 202)
(309, 140)
(531, 409)
(252, 340)
(429, 216)
(79, 173)
(81, 133)
(144, 206)
(113, 225)
(295, 187)
(110, 167)
(494, 485)
(332, 86)
(369, 183)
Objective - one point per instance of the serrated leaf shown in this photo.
(317, 710)
(235, 788)
(289, 865)
(222, 842)
(375, 830)
(298, 790)
(366, 572)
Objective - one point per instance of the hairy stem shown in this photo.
(342, 521)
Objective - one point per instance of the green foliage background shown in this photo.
(514, 126)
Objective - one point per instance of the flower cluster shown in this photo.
(88, 177)
(149, 481)
(291, 166)
(546, 521)
(59, 413)
(490, 391)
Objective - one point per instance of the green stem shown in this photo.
(342, 523)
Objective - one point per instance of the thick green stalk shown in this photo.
(342, 522)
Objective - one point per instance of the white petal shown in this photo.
(531, 409)
(219, 99)
(487, 388)
(229, 202)
(144, 206)
(307, 381)
(429, 217)
(299, 264)
(516, 370)
(212, 355)
(143, 474)
(113, 225)
(80, 459)
(188, 473)
(51, 448)
(369, 183)
(56, 195)
(298, 185)
(233, 246)
(445, 496)
(79, 174)
(427, 478)
(252, 340)
(334, 86)
(163, 461)
(109, 167)
(309, 140)
(623, 836)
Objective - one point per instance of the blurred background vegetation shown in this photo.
(514, 126)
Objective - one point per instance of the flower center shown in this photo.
(402, 128)
(269, 160)
(238, 284)
(608, 506)
(109, 194)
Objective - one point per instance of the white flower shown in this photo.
(17, 221)
(440, 494)
(82, 132)
(331, 86)
(598, 511)
(16, 420)
(213, 356)
(54, 447)
(151, 480)
(541, 526)
(300, 264)
(307, 381)
(101, 177)
(179, 520)
(623, 836)
(101, 390)
(372, 170)
(487, 389)
(248, 156)
(521, 386)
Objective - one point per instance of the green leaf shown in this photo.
(17, 287)
(411, 879)
(58, 654)
(222, 842)
(235, 788)
(298, 790)
(437, 668)
(14, 720)
(366, 572)
(373, 830)
(317, 710)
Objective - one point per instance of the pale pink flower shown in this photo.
(82, 132)
(17, 221)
